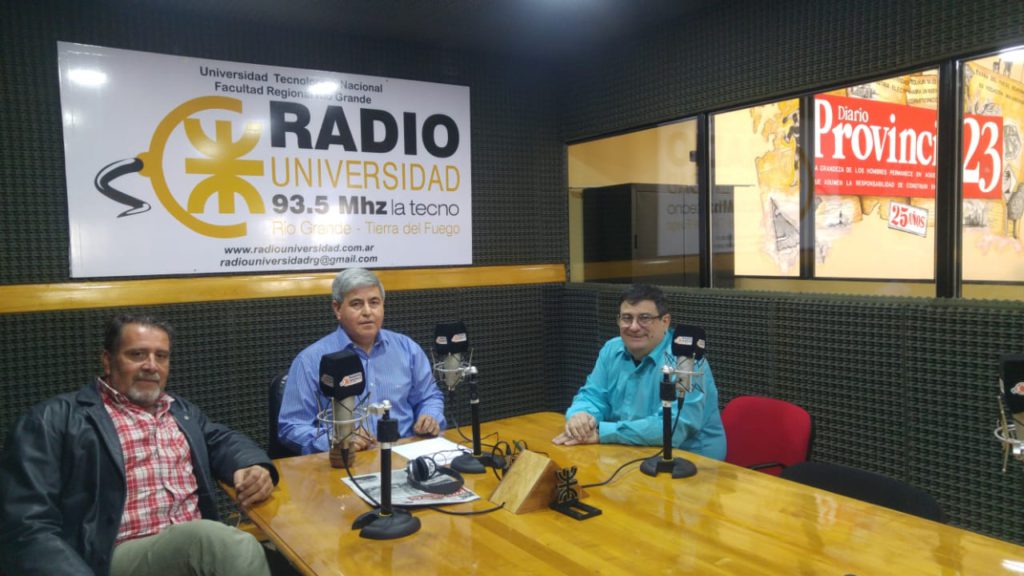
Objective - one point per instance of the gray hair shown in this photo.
(351, 279)
(115, 329)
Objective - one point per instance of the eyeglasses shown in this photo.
(644, 320)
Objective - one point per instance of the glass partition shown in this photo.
(992, 189)
(755, 171)
(633, 207)
(874, 179)
(871, 199)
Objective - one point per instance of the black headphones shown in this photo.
(424, 468)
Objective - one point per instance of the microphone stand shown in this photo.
(664, 462)
(341, 454)
(386, 523)
(477, 462)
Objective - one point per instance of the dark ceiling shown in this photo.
(548, 29)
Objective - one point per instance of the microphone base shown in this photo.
(471, 464)
(375, 526)
(678, 467)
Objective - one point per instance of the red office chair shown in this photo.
(766, 434)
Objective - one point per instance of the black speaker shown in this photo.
(1011, 372)
(423, 470)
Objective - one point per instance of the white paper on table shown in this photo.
(441, 449)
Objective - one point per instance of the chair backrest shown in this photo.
(274, 447)
(766, 434)
(867, 486)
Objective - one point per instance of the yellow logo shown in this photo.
(222, 161)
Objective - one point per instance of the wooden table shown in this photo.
(724, 520)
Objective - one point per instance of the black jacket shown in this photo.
(62, 481)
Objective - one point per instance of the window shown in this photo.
(992, 188)
(874, 179)
(755, 170)
(846, 202)
(872, 198)
(633, 207)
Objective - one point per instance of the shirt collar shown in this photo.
(107, 392)
(347, 342)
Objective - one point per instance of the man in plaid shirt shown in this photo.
(119, 477)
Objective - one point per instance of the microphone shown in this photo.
(450, 344)
(1011, 400)
(385, 522)
(342, 380)
(688, 345)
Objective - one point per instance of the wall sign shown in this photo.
(181, 165)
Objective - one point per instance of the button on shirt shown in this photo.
(161, 488)
(396, 369)
(625, 399)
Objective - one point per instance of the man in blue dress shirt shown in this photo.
(620, 401)
(396, 370)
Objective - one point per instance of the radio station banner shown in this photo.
(180, 165)
(873, 148)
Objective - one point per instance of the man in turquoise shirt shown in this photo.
(620, 402)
